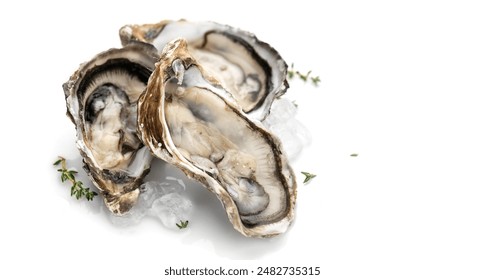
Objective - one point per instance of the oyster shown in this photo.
(101, 97)
(185, 118)
(251, 70)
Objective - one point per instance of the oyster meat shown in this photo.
(186, 119)
(101, 97)
(249, 69)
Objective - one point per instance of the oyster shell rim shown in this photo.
(106, 180)
(148, 32)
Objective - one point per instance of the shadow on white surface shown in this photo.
(209, 225)
(212, 225)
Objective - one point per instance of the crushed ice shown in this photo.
(283, 123)
(163, 200)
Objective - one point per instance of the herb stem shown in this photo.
(77, 188)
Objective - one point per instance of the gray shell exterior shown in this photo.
(119, 185)
(266, 63)
(157, 135)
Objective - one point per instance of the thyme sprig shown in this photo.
(77, 189)
(304, 77)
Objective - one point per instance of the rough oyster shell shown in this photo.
(251, 70)
(101, 97)
(185, 119)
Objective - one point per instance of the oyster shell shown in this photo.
(251, 70)
(101, 97)
(185, 118)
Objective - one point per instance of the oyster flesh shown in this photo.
(251, 70)
(101, 97)
(186, 119)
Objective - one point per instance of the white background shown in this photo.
(402, 85)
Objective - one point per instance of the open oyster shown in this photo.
(101, 97)
(185, 118)
(251, 70)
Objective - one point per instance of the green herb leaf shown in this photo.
(90, 195)
(307, 75)
(354, 155)
(315, 80)
(64, 177)
(182, 224)
(69, 175)
(77, 189)
(291, 72)
(308, 176)
(302, 77)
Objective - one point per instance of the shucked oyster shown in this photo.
(185, 119)
(101, 97)
(251, 70)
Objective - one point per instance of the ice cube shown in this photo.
(292, 144)
(282, 122)
(171, 209)
(160, 199)
(152, 190)
(281, 110)
(149, 191)
(302, 132)
(131, 218)
(172, 185)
